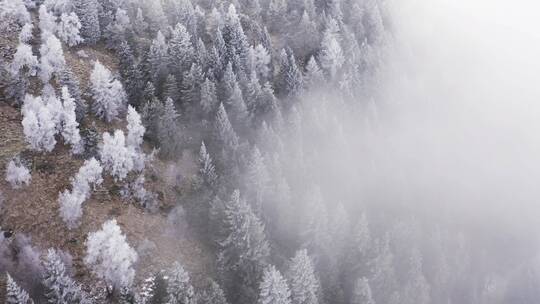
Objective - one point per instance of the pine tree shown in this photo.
(206, 167)
(69, 29)
(257, 180)
(416, 289)
(108, 93)
(15, 294)
(180, 50)
(276, 15)
(59, 287)
(235, 39)
(191, 87)
(290, 77)
(208, 97)
(179, 288)
(244, 250)
(67, 78)
(212, 294)
(158, 59)
(314, 76)
(224, 130)
(139, 25)
(301, 275)
(168, 130)
(273, 288)
(88, 13)
(237, 106)
(129, 69)
(362, 292)
(170, 89)
(331, 54)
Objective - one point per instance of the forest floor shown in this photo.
(34, 210)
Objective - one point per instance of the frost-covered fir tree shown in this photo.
(302, 279)
(416, 289)
(171, 89)
(67, 78)
(168, 131)
(140, 25)
(15, 294)
(212, 294)
(88, 13)
(273, 288)
(206, 167)
(110, 257)
(314, 76)
(68, 29)
(70, 126)
(362, 292)
(290, 77)
(331, 54)
(181, 51)
(52, 58)
(244, 249)
(17, 174)
(257, 180)
(109, 97)
(116, 156)
(59, 286)
(179, 288)
(208, 97)
(158, 59)
(224, 130)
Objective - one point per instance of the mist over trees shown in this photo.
(276, 103)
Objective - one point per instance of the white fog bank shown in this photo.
(459, 117)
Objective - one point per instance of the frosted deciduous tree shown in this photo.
(109, 255)
(135, 128)
(15, 294)
(39, 126)
(59, 286)
(116, 157)
(273, 288)
(179, 289)
(71, 201)
(14, 10)
(70, 126)
(25, 60)
(47, 22)
(69, 29)
(25, 36)
(206, 167)
(108, 93)
(52, 58)
(17, 174)
(302, 279)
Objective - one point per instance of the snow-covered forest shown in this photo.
(265, 151)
